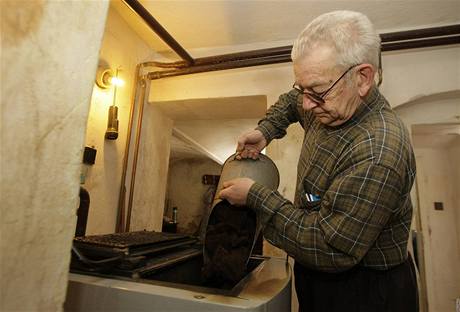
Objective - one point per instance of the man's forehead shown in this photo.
(315, 66)
(310, 76)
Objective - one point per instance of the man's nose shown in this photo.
(307, 103)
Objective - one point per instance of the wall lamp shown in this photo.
(106, 78)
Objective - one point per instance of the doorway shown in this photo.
(437, 151)
(204, 135)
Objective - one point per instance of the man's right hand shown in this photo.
(250, 144)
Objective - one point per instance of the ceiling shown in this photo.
(228, 23)
(210, 127)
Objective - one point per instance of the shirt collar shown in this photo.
(369, 103)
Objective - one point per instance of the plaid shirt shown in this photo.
(352, 203)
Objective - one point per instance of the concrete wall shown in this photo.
(122, 48)
(437, 177)
(455, 151)
(152, 171)
(45, 92)
(186, 191)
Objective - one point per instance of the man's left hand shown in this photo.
(236, 191)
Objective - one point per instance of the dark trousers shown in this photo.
(359, 289)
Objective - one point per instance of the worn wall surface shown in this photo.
(455, 152)
(187, 192)
(45, 92)
(123, 49)
(152, 171)
(437, 183)
(437, 179)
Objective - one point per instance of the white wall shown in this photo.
(412, 74)
(436, 175)
(436, 178)
(152, 171)
(264, 80)
(45, 93)
(104, 177)
(455, 151)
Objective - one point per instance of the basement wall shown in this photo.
(122, 48)
(187, 192)
(437, 177)
(47, 78)
(437, 174)
(152, 171)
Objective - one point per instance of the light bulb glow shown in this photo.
(117, 81)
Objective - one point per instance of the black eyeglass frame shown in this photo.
(319, 98)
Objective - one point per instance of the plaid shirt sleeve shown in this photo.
(279, 116)
(338, 233)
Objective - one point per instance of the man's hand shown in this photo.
(250, 144)
(236, 191)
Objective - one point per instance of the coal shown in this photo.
(229, 238)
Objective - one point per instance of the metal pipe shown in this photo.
(421, 33)
(121, 218)
(159, 30)
(136, 152)
(219, 66)
(280, 56)
(422, 43)
(178, 64)
(120, 225)
(284, 50)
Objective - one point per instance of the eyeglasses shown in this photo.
(319, 97)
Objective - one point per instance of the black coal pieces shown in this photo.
(229, 238)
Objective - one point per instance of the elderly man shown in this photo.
(348, 227)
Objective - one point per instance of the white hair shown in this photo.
(351, 34)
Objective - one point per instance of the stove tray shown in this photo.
(129, 239)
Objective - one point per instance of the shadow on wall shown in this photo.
(188, 193)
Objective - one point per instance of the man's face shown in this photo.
(315, 73)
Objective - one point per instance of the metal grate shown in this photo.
(129, 239)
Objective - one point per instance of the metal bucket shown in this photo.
(242, 227)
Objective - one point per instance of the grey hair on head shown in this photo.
(351, 34)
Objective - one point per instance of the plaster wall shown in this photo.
(104, 177)
(437, 183)
(187, 192)
(436, 109)
(412, 74)
(265, 80)
(45, 94)
(436, 176)
(455, 155)
(152, 171)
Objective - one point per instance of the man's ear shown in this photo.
(366, 73)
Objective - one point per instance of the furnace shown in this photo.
(155, 271)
